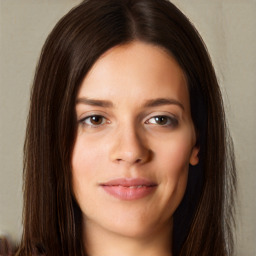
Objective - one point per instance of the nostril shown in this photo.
(138, 161)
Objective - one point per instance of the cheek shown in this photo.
(87, 155)
(86, 160)
(173, 160)
(175, 166)
(175, 155)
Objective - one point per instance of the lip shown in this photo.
(129, 188)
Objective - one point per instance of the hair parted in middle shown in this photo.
(52, 218)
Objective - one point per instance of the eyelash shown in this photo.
(171, 121)
(83, 121)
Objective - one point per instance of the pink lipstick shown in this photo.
(129, 188)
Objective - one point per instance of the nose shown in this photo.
(130, 147)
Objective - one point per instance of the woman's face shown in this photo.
(134, 143)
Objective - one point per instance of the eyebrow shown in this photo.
(161, 102)
(149, 103)
(95, 102)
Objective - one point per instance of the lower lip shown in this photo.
(129, 193)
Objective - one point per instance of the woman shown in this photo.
(127, 150)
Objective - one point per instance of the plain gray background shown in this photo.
(228, 28)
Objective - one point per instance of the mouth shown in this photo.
(129, 188)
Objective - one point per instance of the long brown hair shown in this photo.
(52, 220)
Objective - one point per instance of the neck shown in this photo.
(99, 242)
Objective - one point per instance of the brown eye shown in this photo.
(163, 121)
(94, 121)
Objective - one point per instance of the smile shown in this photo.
(129, 188)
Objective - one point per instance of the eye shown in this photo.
(163, 121)
(93, 121)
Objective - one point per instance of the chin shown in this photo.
(137, 228)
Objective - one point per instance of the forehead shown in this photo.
(135, 71)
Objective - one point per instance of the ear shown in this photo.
(194, 159)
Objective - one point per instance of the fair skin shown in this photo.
(134, 144)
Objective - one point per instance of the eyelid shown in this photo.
(173, 119)
(83, 114)
(161, 113)
(83, 119)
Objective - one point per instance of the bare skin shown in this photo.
(135, 125)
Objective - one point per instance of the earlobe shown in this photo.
(194, 159)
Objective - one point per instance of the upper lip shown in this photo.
(128, 182)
